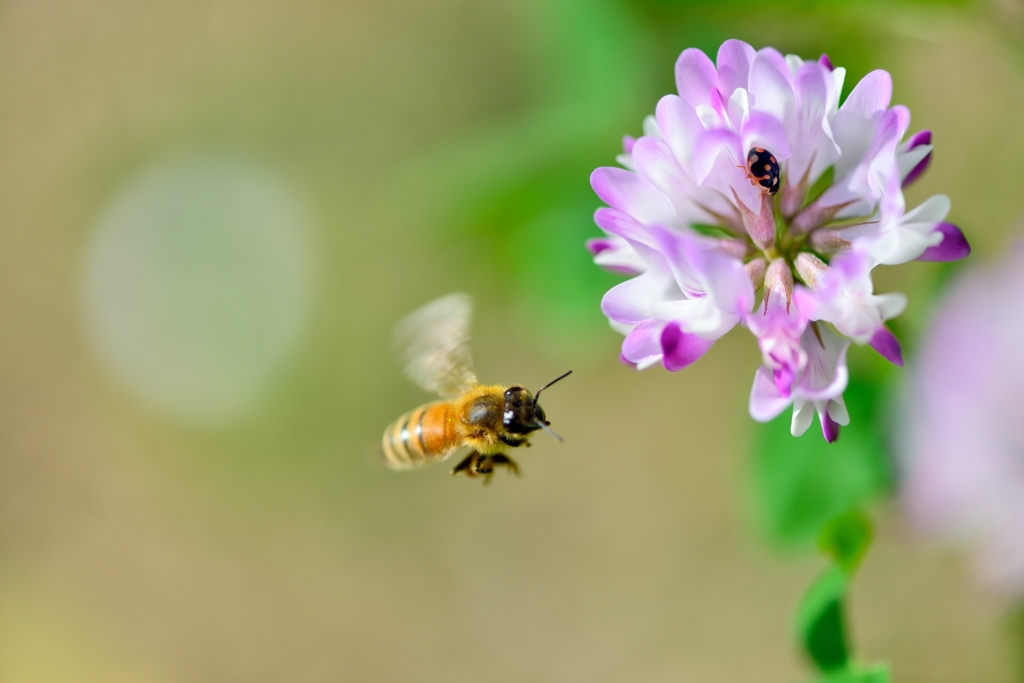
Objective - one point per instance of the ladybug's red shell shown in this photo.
(763, 169)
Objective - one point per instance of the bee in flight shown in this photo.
(489, 419)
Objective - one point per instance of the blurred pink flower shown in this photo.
(714, 202)
(962, 442)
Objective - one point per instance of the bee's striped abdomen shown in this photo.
(421, 436)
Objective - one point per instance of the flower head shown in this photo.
(714, 202)
(963, 435)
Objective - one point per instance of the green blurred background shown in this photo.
(212, 213)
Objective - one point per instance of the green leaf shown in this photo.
(846, 539)
(801, 483)
(820, 621)
(823, 182)
(875, 673)
(712, 230)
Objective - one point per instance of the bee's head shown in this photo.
(522, 413)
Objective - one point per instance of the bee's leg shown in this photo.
(485, 466)
(503, 460)
(468, 466)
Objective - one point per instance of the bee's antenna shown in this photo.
(537, 395)
(544, 425)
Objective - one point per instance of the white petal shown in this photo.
(891, 305)
(651, 127)
(931, 210)
(803, 413)
(908, 160)
(838, 412)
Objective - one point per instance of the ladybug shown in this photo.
(763, 169)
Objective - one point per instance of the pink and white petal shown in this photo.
(711, 118)
(881, 154)
(835, 87)
(737, 109)
(771, 87)
(617, 258)
(733, 61)
(650, 127)
(766, 403)
(728, 178)
(679, 260)
(625, 161)
(870, 96)
(953, 247)
(697, 316)
(906, 245)
(727, 282)
(765, 130)
(825, 375)
(642, 346)
(868, 181)
(630, 302)
(713, 272)
(656, 162)
(807, 303)
(620, 224)
(629, 192)
(813, 148)
(712, 144)
(621, 328)
(855, 124)
(681, 349)
(695, 77)
(679, 126)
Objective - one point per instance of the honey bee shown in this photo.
(489, 419)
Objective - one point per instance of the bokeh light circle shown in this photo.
(198, 284)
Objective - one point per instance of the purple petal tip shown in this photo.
(681, 349)
(953, 247)
(887, 345)
(626, 361)
(921, 137)
(826, 62)
(918, 170)
(829, 428)
(627, 143)
(598, 244)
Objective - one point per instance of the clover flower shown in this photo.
(962, 442)
(755, 177)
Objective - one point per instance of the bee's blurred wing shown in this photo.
(434, 341)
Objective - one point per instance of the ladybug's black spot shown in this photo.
(765, 173)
